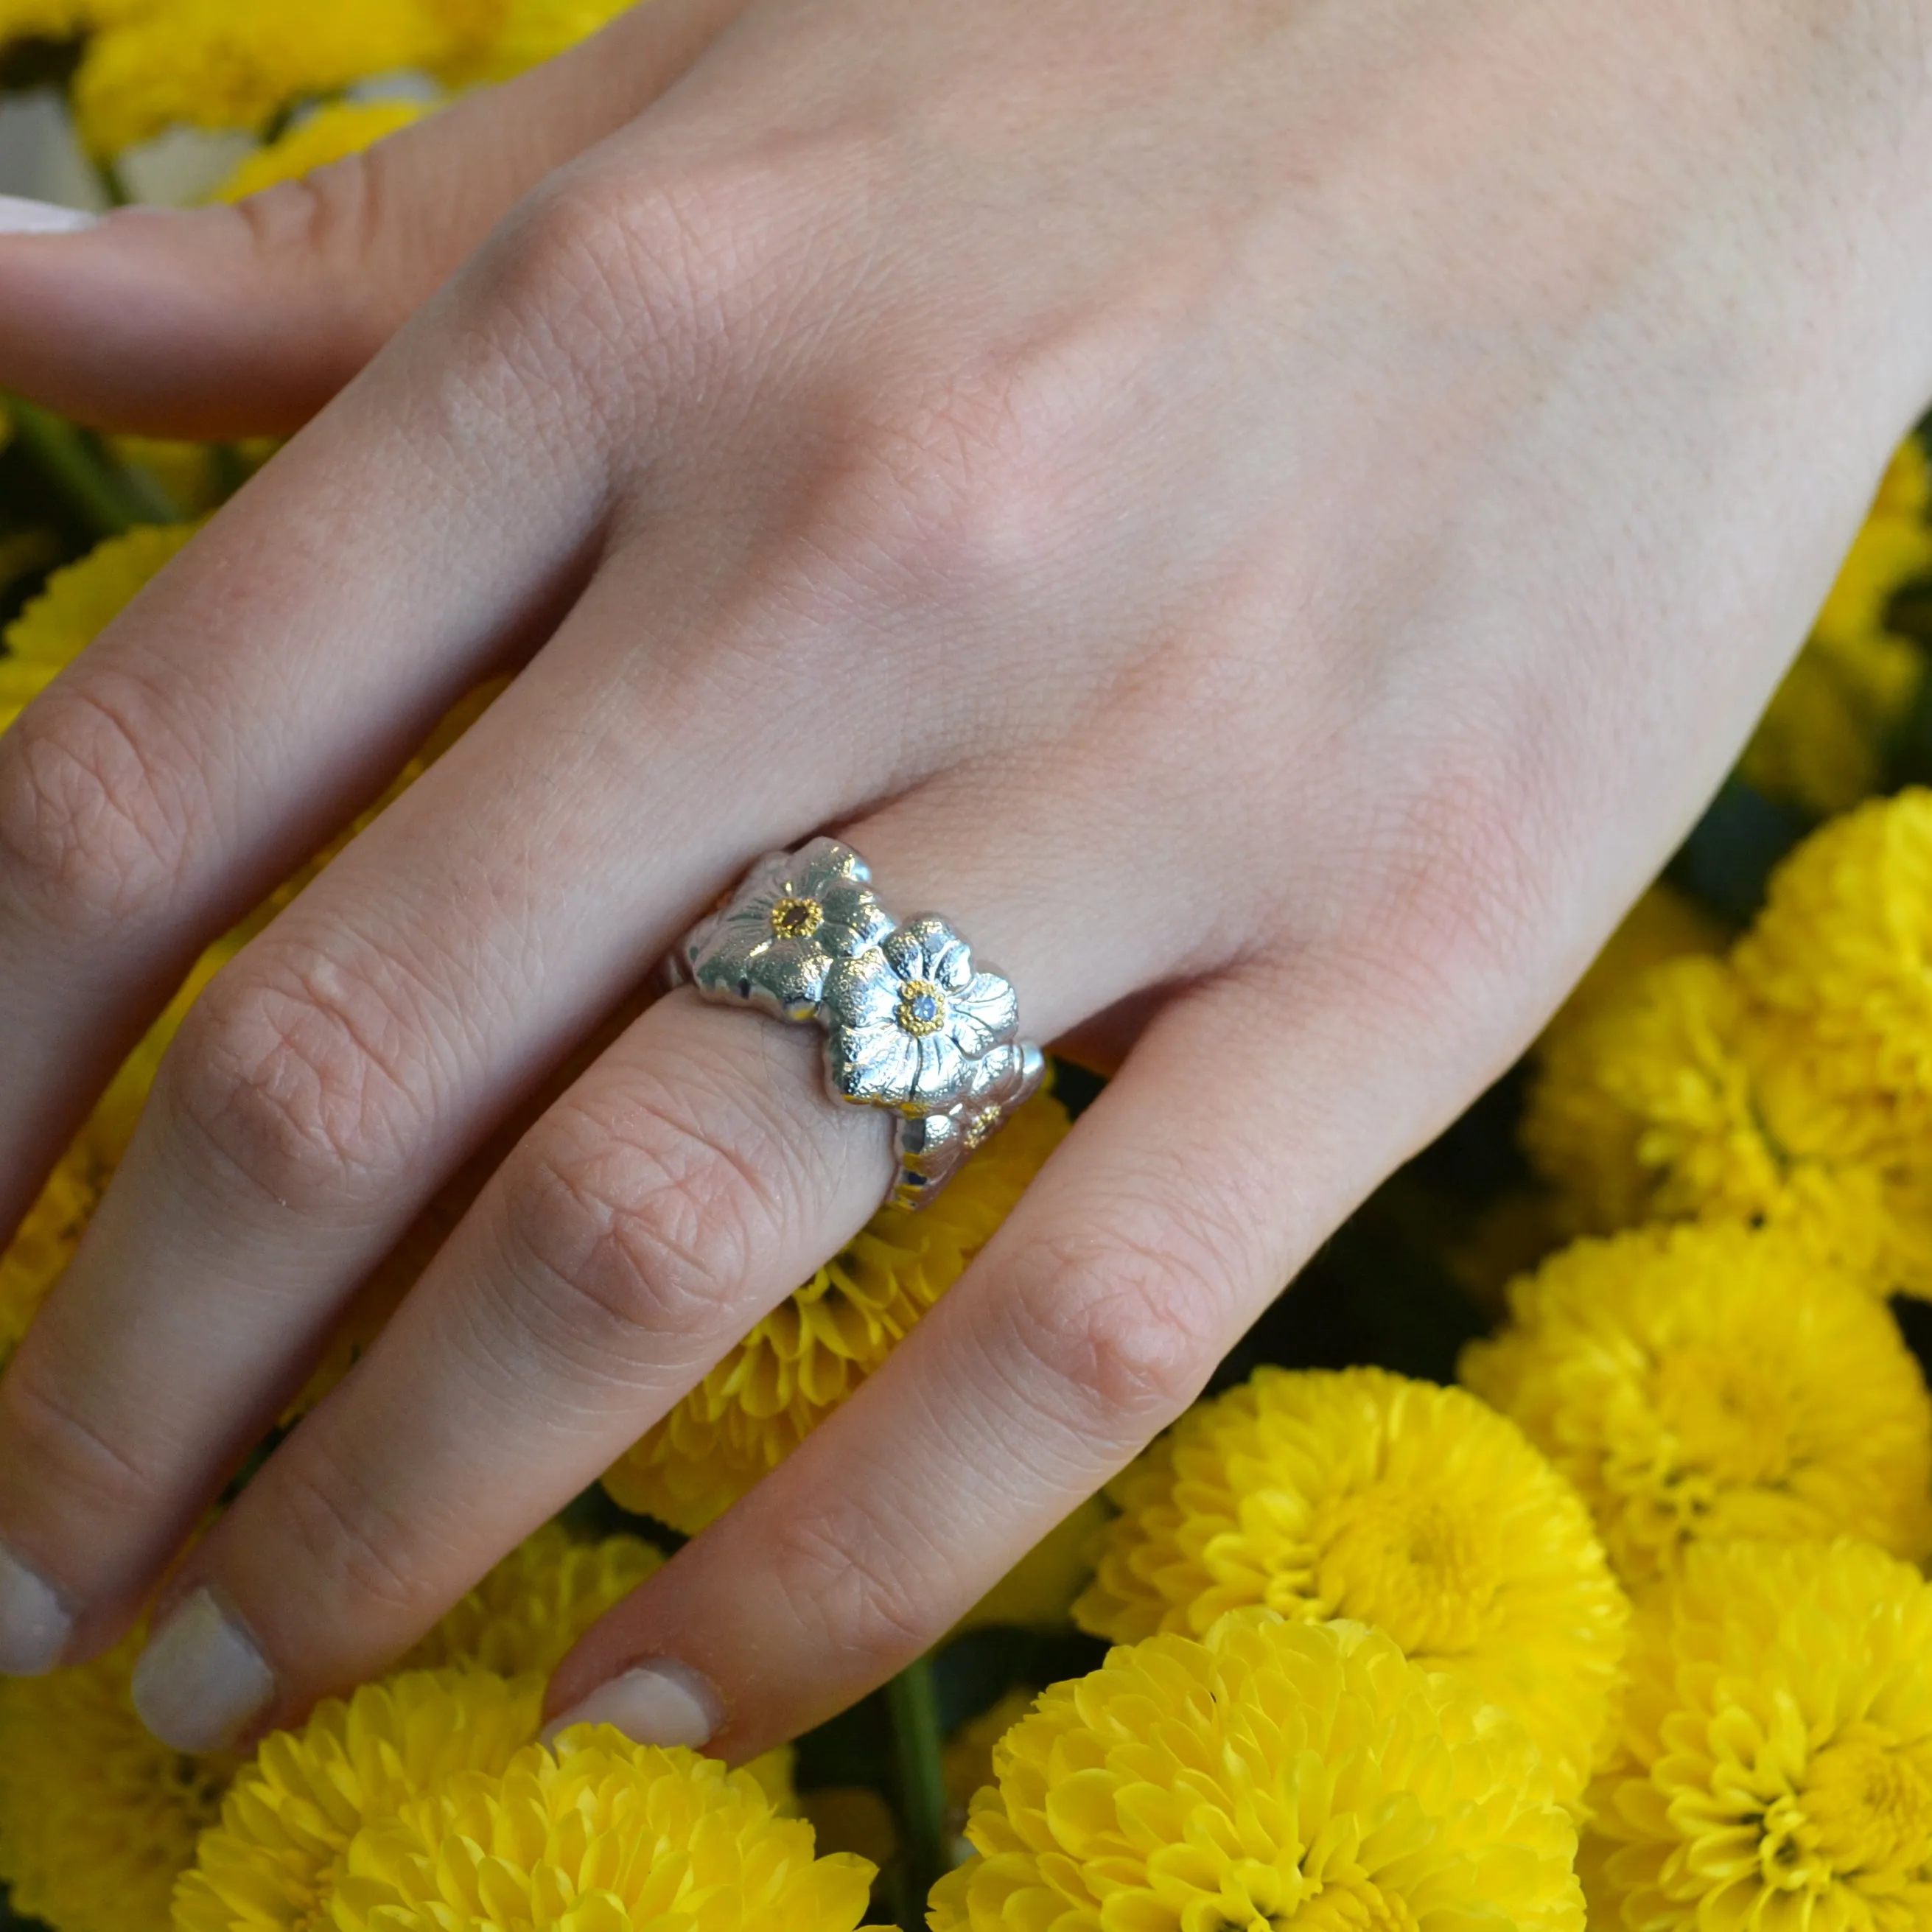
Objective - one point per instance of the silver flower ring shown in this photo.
(911, 1025)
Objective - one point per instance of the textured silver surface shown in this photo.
(931, 1148)
(911, 1025)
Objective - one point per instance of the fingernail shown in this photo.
(34, 1626)
(201, 1679)
(21, 217)
(661, 1702)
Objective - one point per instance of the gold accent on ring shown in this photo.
(797, 919)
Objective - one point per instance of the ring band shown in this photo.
(910, 1023)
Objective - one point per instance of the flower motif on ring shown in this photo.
(796, 914)
(931, 1148)
(908, 1019)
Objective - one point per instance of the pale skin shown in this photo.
(1274, 516)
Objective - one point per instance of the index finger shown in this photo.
(265, 684)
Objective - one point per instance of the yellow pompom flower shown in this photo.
(332, 133)
(1360, 1494)
(967, 1762)
(1299, 1778)
(529, 1611)
(602, 1835)
(1687, 1100)
(38, 1254)
(1842, 949)
(223, 64)
(1664, 924)
(1822, 741)
(811, 1352)
(1704, 1383)
(1776, 1766)
(77, 604)
(276, 1858)
(97, 1817)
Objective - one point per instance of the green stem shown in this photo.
(99, 491)
(912, 1702)
(231, 469)
(113, 183)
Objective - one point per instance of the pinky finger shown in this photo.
(1184, 1199)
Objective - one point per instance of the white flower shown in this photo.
(931, 1147)
(796, 914)
(908, 1018)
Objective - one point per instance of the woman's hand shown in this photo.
(1273, 516)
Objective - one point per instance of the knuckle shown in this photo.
(1126, 1332)
(94, 810)
(303, 1075)
(622, 1230)
(339, 1532)
(845, 1585)
(983, 473)
(595, 268)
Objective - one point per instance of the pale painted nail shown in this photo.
(201, 1680)
(34, 1625)
(19, 217)
(661, 1702)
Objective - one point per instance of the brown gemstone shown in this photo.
(797, 919)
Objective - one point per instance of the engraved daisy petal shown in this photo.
(931, 1148)
(916, 985)
(796, 914)
(985, 1011)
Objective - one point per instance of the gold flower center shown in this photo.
(1731, 1420)
(797, 919)
(922, 1008)
(1423, 1567)
(1868, 1806)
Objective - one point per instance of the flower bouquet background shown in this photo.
(1553, 1547)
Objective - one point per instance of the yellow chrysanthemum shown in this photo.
(601, 1836)
(38, 1254)
(531, 32)
(1686, 1100)
(1297, 1777)
(221, 64)
(1664, 924)
(967, 1760)
(332, 134)
(530, 1609)
(1704, 1383)
(1360, 1494)
(1822, 741)
(276, 1858)
(1842, 949)
(97, 1817)
(76, 605)
(809, 1354)
(1777, 1762)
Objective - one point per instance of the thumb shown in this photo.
(221, 322)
